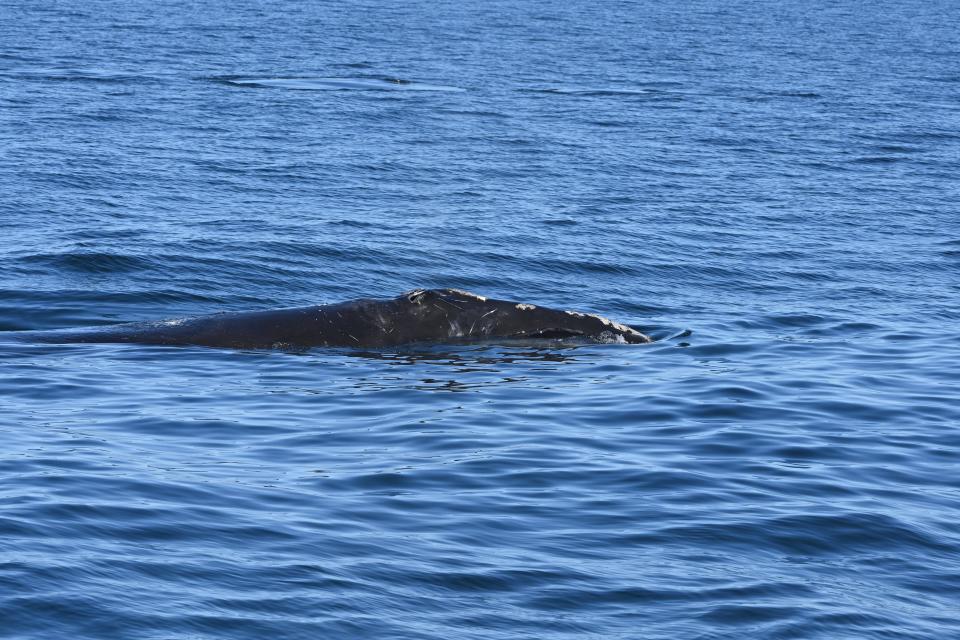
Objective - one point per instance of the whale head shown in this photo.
(461, 315)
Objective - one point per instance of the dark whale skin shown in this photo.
(422, 315)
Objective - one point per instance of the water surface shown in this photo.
(777, 179)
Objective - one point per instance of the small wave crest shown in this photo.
(90, 262)
(333, 84)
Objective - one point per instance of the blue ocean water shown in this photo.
(777, 178)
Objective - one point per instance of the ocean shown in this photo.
(769, 189)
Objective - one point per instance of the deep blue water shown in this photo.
(778, 178)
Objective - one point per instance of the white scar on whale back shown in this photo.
(469, 295)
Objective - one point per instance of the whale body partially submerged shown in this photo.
(422, 315)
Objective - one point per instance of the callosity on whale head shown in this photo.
(468, 316)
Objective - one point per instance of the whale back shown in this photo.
(422, 315)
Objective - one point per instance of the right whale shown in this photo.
(422, 315)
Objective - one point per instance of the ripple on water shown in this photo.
(336, 84)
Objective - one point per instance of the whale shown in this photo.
(418, 316)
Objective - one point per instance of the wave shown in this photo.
(333, 84)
